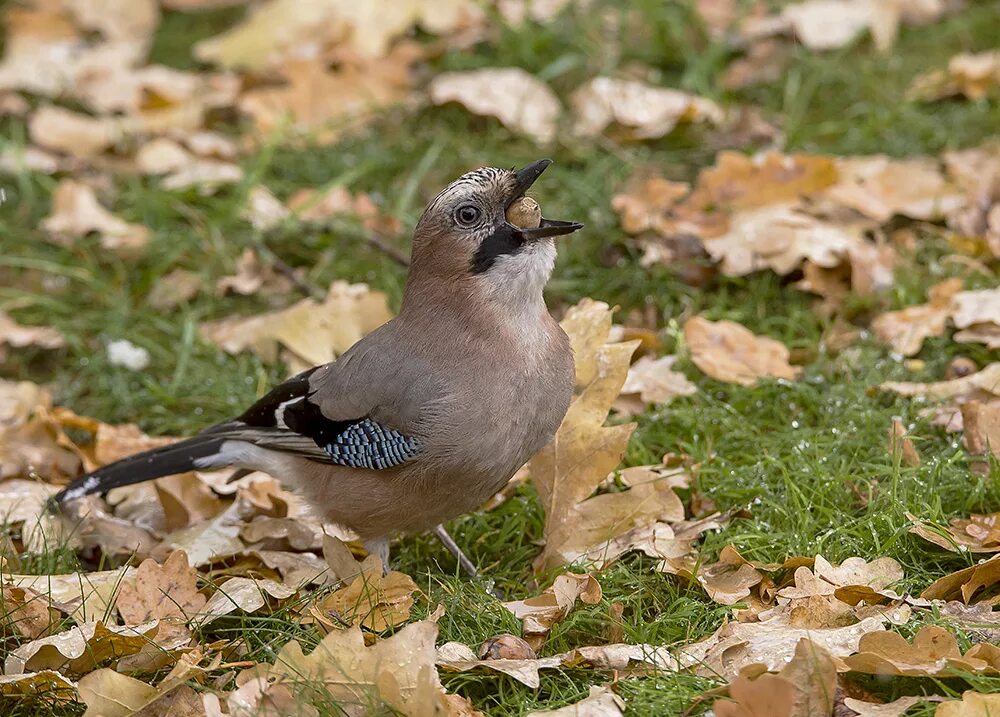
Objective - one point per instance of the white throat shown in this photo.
(515, 281)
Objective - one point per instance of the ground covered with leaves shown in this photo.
(776, 491)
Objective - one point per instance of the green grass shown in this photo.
(788, 452)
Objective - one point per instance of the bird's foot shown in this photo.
(379, 547)
(453, 548)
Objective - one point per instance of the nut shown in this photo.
(506, 647)
(524, 213)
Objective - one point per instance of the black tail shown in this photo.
(176, 458)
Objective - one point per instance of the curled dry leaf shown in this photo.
(523, 103)
(456, 657)
(966, 584)
(314, 333)
(368, 597)
(76, 213)
(780, 237)
(771, 643)
(934, 652)
(374, 601)
(264, 210)
(72, 133)
(729, 352)
(805, 687)
(322, 205)
(584, 451)
(86, 597)
(644, 110)
(279, 29)
(30, 441)
(17, 336)
(601, 702)
(397, 672)
(969, 74)
(972, 704)
(881, 187)
(252, 277)
(976, 534)
(25, 612)
(80, 649)
(47, 684)
(245, 594)
(321, 103)
(982, 385)
(538, 614)
(652, 380)
(896, 708)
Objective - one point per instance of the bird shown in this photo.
(430, 414)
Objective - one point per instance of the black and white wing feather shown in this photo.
(286, 419)
(283, 420)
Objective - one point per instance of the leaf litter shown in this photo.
(195, 550)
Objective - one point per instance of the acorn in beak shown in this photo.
(524, 213)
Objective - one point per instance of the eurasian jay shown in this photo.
(433, 412)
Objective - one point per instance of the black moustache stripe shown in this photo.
(505, 239)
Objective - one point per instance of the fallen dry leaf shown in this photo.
(523, 103)
(17, 336)
(397, 672)
(646, 111)
(934, 652)
(25, 612)
(84, 596)
(264, 210)
(457, 657)
(896, 708)
(538, 614)
(738, 181)
(652, 380)
(46, 684)
(965, 584)
(279, 29)
(780, 237)
(252, 277)
(76, 213)
(601, 702)
(315, 333)
(72, 133)
(729, 352)
(771, 643)
(805, 687)
(30, 441)
(374, 601)
(972, 704)
(881, 187)
(176, 288)
(905, 330)
(976, 534)
(166, 592)
(79, 649)
(982, 385)
(971, 75)
(245, 594)
(320, 104)
(321, 206)
(578, 460)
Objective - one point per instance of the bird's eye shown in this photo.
(467, 215)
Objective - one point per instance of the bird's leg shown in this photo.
(379, 547)
(453, 548)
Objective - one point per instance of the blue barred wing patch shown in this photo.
(368, 444)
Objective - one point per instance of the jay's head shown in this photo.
(464, 236)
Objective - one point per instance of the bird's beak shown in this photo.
(525, 177)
